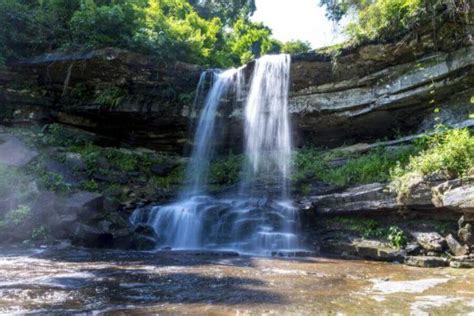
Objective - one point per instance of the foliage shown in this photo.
(396, 237)
(296, 47)
(227, 11)
(58, 135)
(190, 31)
(312, 163)
(250, 40)
(51, 181)
(451, 152)
(19, 215)
(386, 19)
(226, 171)
(90, 185)
(110, 98)
(370, 228)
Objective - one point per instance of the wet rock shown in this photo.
(426, 261)
(161, 170)
(455, 247)
(15, 153)
(145, 230)
(75, 162)
(431, 241)
(92, 236)
(68, 176)
(84, 199)
(142, 242)
(45, 206)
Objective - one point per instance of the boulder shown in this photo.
(84, 201)
(426, 261)
(466, 232)
(142, 242)
(455, 247)
(91, 236)
(431, 241)
(145, 230)
(14, 152)
(75, 162)
(377, 250)
(457, 194)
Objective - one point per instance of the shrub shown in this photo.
(396, 237)
(451, 152)
(311, 163)
(296, 47)
(19, 215)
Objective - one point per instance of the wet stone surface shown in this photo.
(119, 282)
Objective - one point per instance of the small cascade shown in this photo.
(259, 218)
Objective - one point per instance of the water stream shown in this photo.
(259, 218)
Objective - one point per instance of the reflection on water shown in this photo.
(78, 280)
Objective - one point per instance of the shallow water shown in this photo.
(120, 282)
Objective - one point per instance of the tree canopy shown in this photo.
(386, 19)
(208, 32)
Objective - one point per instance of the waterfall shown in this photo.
(267, 129)
(198, 168)
(260, 218)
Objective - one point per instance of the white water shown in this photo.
(198, 168)
(260, 219)
(267, 127)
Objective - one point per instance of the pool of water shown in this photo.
(123, 282)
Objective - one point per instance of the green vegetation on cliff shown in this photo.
(388, 19)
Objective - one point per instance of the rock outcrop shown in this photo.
(13, 152)
(357, 95)
(424, 193)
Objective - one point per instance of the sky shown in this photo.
(297, 19)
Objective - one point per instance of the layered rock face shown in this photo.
(396, 99)
(124, 96)
(355, 95)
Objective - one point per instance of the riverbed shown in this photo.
(71, 280)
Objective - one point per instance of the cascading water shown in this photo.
(260, 218)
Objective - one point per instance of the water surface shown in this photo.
(119, 282)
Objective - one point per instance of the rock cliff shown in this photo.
(353, 95)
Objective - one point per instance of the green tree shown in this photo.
(228, 11)
(296, 47)
(250, 40)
